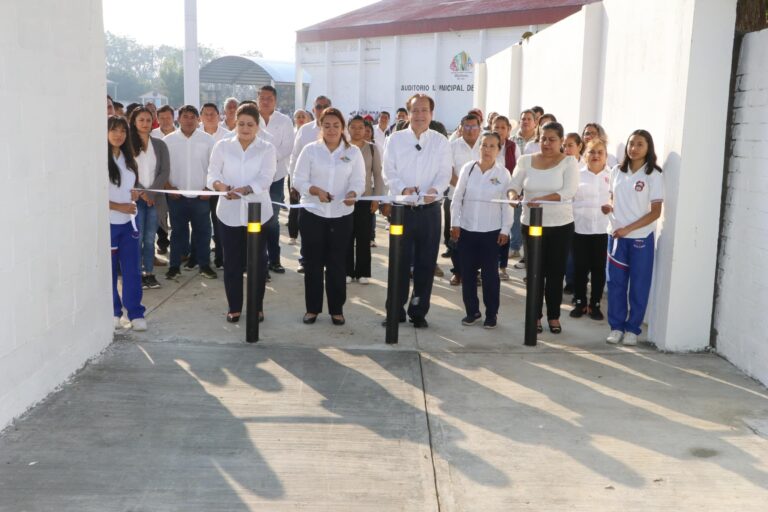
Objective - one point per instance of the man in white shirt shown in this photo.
(417, 161)
(190, 152)
(280, 128)
(463, 150)
(380, 129)
(230, 109)
(309, 132)
(165, 118)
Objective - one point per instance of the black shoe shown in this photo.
(144, 283)
(277, 268)
(419, 323)
(162, 250)
(490, 323)
(218, 263)
(208, 273)
(471, 319)
(578, 309)
(173, 273)
(233, 318)
(338, 321)
(300, 270)
(190, 264)
(151, 281)
(568, 290)
(595, 313)
(446, 254)
(309, 318)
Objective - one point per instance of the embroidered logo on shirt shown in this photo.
(495, 181)
(344, 158)
(639, 186)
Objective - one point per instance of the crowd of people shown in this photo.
(182, 179)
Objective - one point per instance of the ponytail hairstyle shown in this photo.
(136, 143)
(577, 139)
(334, 112)
(114, 122)
(650, 157)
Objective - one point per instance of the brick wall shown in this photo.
(741, 317)
(54, 249)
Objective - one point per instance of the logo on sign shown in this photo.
(462, 63)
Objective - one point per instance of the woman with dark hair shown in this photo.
(359, 252)
(243, 166)
(637, 193)
(154, 166)
(572, 146)
(549, 175)
(480, 228)
(123, 234)
(534, 146)
(507, 158)
(596, 130)
(329, 175)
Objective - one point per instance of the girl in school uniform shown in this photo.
(637, 193)
(122, 225)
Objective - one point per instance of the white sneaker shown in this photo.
(349, 279)
(503, 274)
(363, 280)
(118, 325)
(614, 337)
(139, 324)
(520, 264)
(291, 241)
(630, 339)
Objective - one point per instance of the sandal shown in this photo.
(233, 318)
(338, 319)
(309, 318)
(539, 328)
(555, 329)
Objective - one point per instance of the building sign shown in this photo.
(462, 68)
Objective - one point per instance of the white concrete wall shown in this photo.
(503, 78)
(662, 66)
(55, 308)
(740, 320)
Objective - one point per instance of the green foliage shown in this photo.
(138, 68)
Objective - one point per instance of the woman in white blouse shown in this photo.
(590, 240)
(549, 175)
(329, 175)
(124, 236)
(243, 166)
(481, 227)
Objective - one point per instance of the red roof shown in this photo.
(401, 17)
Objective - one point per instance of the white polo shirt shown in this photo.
(632, 195)
(254, 167)
(280, 129)
(189, 159)
(469, 207)
(592, 194)
(309, 132)
(424, 162)
(121, 194)
(220, 133)
(461, 153)
(337, 172)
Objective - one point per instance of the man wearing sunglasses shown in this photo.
(309, 132)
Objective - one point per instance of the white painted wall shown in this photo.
(503, 79)
(740, 320)
(55, 309)
(662, 66)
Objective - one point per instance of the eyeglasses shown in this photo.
(321, 107)
(470, 127)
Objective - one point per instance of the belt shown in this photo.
(421, 206)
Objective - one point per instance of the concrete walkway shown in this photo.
(324, 418)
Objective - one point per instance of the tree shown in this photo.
(751, 15)
(171, 80)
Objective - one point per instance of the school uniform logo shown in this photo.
(495, 181)
(639, 186)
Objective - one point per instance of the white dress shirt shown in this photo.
(593, 192)
(467, 209)
(338, 173)
(233, 166)
(189, 159)
(220, 133)
(309, 132)
(147, 161)
(379, 138)
(461, 152)
(632, 195)
(562, 179)
(121, 194)
(158, 133)
(406, 166)
(280, 129)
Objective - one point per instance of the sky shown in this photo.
(232, 26)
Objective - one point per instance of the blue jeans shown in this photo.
(516, 236)
(125, 252)
(276, 193)
(146, 221)
(197, 212)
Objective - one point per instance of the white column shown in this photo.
(191, 60)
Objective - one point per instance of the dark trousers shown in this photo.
(276, 193)
(555, 241)
(293, 216)
(324, 242)
(235, 250)
(589, 260)
(125, 255)
(194, 211)
(217, 251)
(447, 225)
(359, 250)
(480, 251)
(421, 243)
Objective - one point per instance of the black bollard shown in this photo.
(254, 263)
(395, 269)
(533, 268)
